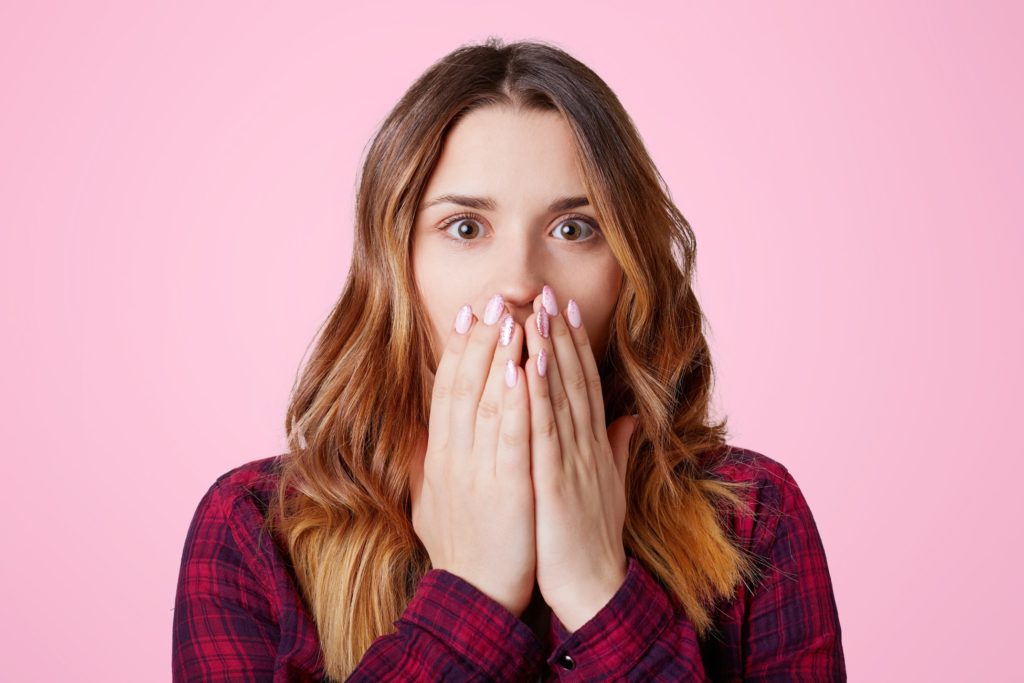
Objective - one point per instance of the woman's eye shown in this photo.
(462, 229)
(574, 230)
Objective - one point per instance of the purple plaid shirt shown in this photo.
(238, 615)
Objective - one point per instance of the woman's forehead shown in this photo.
(502, 154)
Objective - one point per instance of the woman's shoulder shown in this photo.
(227, 532)
(237, 502)
(773, 495)
(737, 463)
(254, 480)
(236, 587)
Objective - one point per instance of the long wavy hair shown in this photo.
(342, 504)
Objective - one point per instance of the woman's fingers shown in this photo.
(591, 374)
(552, 416)
(467, 385)
(476, 517)
(545, 443)
(566, 406)
(574, 382)
(444, 379)
(489, 411)
(512, 455)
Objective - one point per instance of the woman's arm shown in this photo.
(791, 632)
(636, 636)
(453, 632)
(226, 626)
(793, 624)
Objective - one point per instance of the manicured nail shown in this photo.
(508, 325)
(493, 310)
(547, 299)
(463, 319)
(543, 323)
(511, 373)
(573, 313)
(542, 363)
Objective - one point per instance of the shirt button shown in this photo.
(565, 661)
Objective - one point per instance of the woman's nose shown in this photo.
(518, 277)
(519, 299)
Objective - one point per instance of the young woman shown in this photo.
(501, 464)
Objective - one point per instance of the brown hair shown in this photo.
(342, 506)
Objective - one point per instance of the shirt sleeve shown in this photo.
(792, 624)
(451, 631)
(636, 636)
(224, 628)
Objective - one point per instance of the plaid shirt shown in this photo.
(238, 615)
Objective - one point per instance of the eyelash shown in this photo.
(468, 243)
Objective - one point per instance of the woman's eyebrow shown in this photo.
(488, 204)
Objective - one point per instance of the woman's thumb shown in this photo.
(416, 469)
(619, 433)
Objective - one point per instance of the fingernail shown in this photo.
(573, 313)
(511, 373)
(542, 363)
(543, 323)
(493, 309)
(547, 299)
(463, 319)
(507, 327)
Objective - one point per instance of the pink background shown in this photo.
(176, 188)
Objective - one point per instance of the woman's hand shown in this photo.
(472, 500)
(578, 467)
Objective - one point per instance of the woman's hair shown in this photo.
(342, 506)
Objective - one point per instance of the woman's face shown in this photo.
(504, 173)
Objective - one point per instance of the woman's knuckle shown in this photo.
(559, 401)
(442, 391)
(513, 439)
(462, 388)
(579, 382)
(547, 429)
(487, 409)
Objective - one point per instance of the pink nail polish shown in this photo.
(511, 373)
(493, 309)
(547, 299)
(573, 313)
(542, 363)
(508, 325)
(463, 319)
(543, 323)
